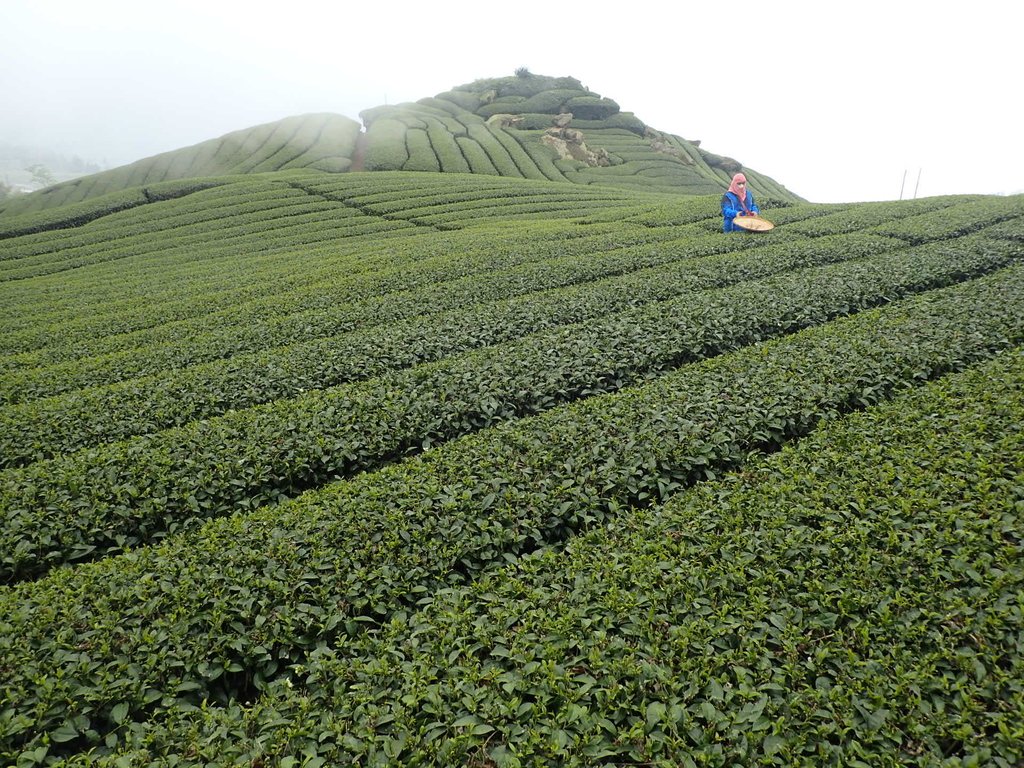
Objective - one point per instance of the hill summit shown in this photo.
(525, 125)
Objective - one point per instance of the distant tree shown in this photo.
(41, 175)
(75, 164)
(523, 72)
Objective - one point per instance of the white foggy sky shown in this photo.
(834, 100)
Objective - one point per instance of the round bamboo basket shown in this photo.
(753, 223)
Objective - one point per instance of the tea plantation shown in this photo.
(437, 469)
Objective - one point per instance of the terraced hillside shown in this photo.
(324, 142)
(526, 126)
(544, 128)
(390, 468)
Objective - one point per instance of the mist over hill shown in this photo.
(19, 164)
(526, 125)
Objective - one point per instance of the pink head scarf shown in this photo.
(741, 193)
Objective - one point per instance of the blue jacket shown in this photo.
(731, 208)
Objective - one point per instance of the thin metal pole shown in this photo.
(903, 182)
(918, 183)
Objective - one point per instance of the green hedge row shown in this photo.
(442, 139)
(590, 107)
(314, 224)
(449, 105)
(432, 201)
(316, 212)
(645, 158)
(422, 156)
(91, 311)
(523, 211)
(955, 220)
(239, 147)
(89, 328)
(469, 210)
(333, 136)
(477, 158)
(495, 150)
(768, 618)
(865, 215)
(582, 104)
(636, 166)
(689, 185)
(1006, 230)
(286, 151)
(385, 146)
(314, 309)
(625, 121)
(179, 231)
(401, 331)
(450, 199)
(329, 261)
(548, 102)
(394, 186)
(214, 198)
(327, 145)
(277, 145)
(200, 156)
(455, 101)
(175, 225)
(86, 212)
(542, 156)
(276, 140)
(606, 135)
(333, 282)
(219, 614)
(523, 162)
(657, 214)
(105, 500)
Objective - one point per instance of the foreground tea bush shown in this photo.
(102, 501)
(220, 614)
(852, 600)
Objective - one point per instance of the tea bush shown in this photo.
(227, 610)
(425, 468)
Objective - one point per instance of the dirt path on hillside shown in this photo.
(359, 154)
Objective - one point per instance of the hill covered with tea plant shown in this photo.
(307, 468)
(523, 126)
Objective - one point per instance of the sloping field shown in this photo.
(445, 469)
